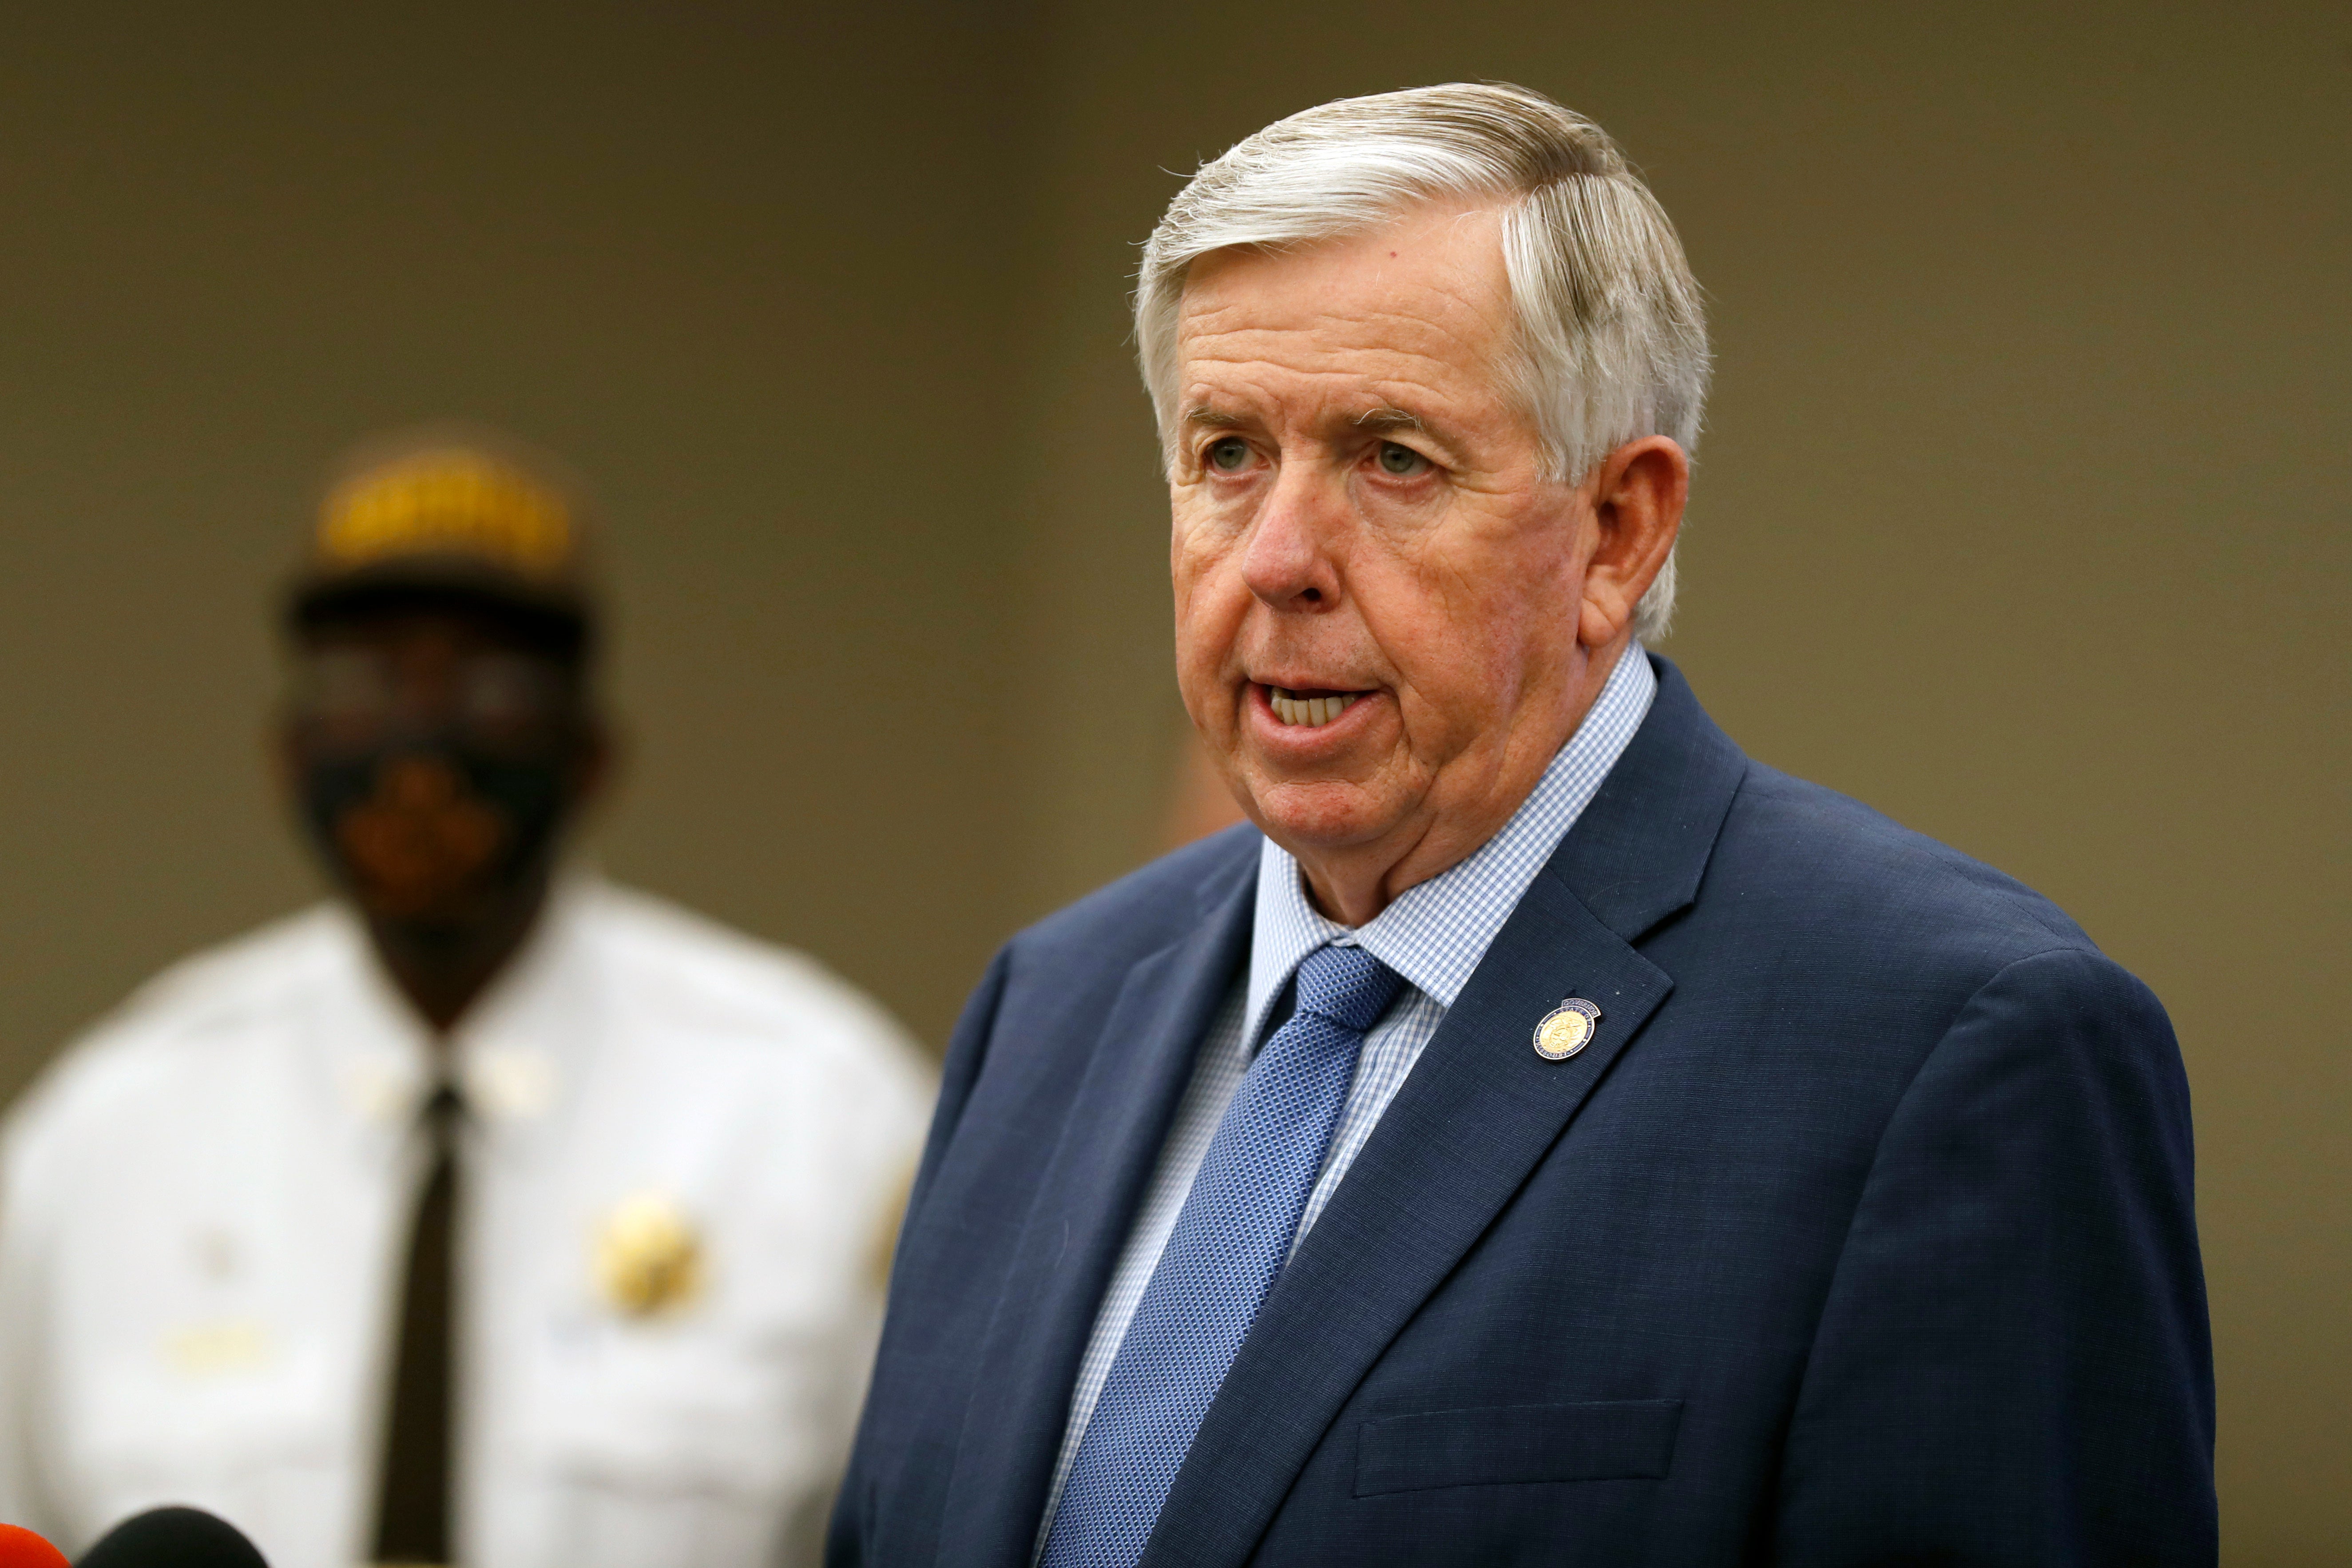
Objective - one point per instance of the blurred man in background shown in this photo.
(490, 1214)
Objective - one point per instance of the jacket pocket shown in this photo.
(1504, 1445)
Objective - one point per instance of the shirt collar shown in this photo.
(1436, 931)
(507, 1052)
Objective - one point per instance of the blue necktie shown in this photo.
(1230, 1241)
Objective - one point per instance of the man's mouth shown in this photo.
(1312, 709)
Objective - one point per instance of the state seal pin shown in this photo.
(648, 1260)
(1566, 1029)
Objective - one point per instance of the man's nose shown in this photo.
(1288, 562)
(418, 783)
(426, 695)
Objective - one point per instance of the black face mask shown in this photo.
(429, 831)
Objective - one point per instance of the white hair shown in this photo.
(1612, 334)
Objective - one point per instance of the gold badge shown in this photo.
(648, 1260)
(1566, 1029)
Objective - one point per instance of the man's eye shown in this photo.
(343, 685)
(1402, 461)
(1228, 454)
(504, 690)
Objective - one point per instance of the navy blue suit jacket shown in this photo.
(1861, 1232)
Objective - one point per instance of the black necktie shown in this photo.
(413, 1513)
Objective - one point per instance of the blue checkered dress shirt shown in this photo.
(1434, 935)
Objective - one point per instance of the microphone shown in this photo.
(172, 1538)
(20, 1548)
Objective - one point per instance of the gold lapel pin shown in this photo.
(648, 1258)
(1566, 1029)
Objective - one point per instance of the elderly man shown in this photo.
(492, 1214)
(1546, 1135)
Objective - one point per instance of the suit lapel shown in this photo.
(1135, 1073)
(1479, 1112)
(1637, 853)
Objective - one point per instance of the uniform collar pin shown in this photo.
(1566, 1029)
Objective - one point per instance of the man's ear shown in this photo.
(278, 757)
(1637, 497)
(593, 763)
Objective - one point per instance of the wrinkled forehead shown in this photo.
(1422, 301)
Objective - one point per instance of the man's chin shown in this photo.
(437, 917)
(1322, 817)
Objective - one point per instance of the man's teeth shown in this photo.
(1308, 710)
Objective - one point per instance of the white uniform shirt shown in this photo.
(204, 1217)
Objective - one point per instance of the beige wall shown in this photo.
(2020, 515)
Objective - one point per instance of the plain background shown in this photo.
(2020, 515)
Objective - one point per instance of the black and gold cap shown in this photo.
(452, 515)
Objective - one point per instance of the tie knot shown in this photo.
(1347, 985)
(443, 1108)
